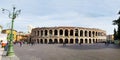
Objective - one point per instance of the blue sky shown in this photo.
(47, 13)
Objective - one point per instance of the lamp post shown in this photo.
(12, 15)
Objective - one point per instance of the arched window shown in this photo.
(93, 33)
(85, 40)
(89, 33)
(85, 33)
(55, 32)
(46, 32)
(81, 32)
(71, 32)
(50, 32)
(66, 32)
(61, 32)
(66, 40)
(76, 32)
(37, 33)
(61, 40)
(71, 40)
(41, 32)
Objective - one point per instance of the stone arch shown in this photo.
(71, 41)
(41, 32)
(76, 40)
(81, 32)
(90, 41)
(81, 40)
(46, 41)
(76, 32)
(61, 32)
(93, 33)
(41, 41)
(61, 41)
(86, 41)
(66, 40)
(55, 32)
(38, 33)
(71, 32)
(46, 32)
(55, 41)
(50, 41)
(85, 33)
(96, 33)
(89, 33)
(50, 32)
(66, 32)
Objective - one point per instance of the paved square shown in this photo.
(69, 52)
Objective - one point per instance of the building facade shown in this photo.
(8, 32)
(70, 35)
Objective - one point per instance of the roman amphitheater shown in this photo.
(68, 35)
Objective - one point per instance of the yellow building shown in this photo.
(8, 31)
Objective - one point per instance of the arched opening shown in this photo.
(38, 41)
(45, 41)
(61, 32)
(89, 33)
(38, 33)
(55, 32)
(85, 33)
(46, 32)
(55, 41)
(71, 41)
(66, 40)
(93, 33)
(81, 32)
(66, 32)
(41, 32)
(50, 41)
(71, 32)
(50, 32)
(81, 40)
(61, 41)
(76, 40)
(89, 40)
(41, 41)
(96, 33)
(86, 41)
(76, 32)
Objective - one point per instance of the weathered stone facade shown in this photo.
(70, 35)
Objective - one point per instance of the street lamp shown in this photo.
(12, 15)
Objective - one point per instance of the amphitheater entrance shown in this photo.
(86, 41)
(50, 41)
(76, 41)
(55, 41)
(45, 41)
(61, 41)
(89, 40)
(81, 40)
(71, 41)
(66, 40)
(41, 41)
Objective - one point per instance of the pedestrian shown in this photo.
(6, 47)
(20, 44)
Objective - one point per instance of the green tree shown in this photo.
(117, 22)
(115, 34)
